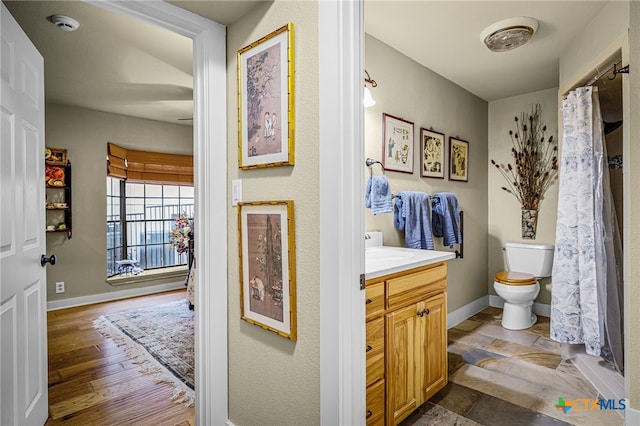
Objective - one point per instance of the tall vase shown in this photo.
(529, 224)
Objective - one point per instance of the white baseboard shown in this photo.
(114, 295)
(609, 383)
(470, 309)
(631, 416)
(541, 309)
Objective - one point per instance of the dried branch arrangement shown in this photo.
(535, 160)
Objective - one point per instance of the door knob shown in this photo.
(44, 259)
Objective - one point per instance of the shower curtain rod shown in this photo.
(599, 75)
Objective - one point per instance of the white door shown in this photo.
(23, 327)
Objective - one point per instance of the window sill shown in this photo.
(151, 275)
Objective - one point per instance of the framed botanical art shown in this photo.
(432, 153)
(266, 101)
(458, 159)
(397, 144)
(267, 266)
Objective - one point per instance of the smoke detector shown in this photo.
(509, 34)
(65, 23)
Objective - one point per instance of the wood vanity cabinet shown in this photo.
(414, 365)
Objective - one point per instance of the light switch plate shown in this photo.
(236, 192)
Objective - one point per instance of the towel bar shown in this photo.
(460, 254)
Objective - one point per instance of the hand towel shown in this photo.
(446, 218)
(398, 213)
(378, 195)
(415, 212)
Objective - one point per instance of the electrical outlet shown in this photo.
(60, 287)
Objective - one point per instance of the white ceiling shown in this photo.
(444, 36)
(115, 64)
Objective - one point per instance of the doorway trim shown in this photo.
(341, 152)
(210, 173)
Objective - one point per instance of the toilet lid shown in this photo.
(514, 278)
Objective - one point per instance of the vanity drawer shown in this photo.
(374, 299)
(375, 404)
(413, 287)
(375, 350)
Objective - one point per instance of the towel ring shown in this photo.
(370, 162)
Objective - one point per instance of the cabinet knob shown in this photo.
(426, 311)
(369, 413)
(423, 312)
(369, 347)
(368, 301)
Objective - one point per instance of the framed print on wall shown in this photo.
(432, 153)
(458, 159)
(266, 118)
(397, 144)
(267, 266)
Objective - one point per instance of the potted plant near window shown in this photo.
(534, 168)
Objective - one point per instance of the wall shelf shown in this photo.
(58, 203)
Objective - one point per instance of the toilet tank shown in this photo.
(534, 259)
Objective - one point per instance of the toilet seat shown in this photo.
(514, 278)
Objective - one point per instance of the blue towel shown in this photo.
(398, 215)
(412, 212)
(378, 195)
(446, 218)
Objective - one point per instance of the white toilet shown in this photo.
(518, 286)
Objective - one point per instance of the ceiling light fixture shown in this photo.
(65, 23)
(509, 34)
(368, 99)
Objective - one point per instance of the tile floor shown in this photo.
(504, 377)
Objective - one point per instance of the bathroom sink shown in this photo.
(382, 260)
(390, 254)
(384, 257)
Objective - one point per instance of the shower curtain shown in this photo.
(587, 288)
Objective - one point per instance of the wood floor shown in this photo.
(91, 380)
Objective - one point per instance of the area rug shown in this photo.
(160, 340)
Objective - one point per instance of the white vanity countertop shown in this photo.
(385, 260)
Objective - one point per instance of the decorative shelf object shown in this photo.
(55, 156)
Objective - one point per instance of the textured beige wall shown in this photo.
(504, 209)
(82, 260)
(415, 93)
(599, 39)
(273, 380)
(632, 243)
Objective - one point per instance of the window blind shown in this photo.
(149, 167)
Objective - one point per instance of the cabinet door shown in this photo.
(375, 300)
(433, 345)
(375, 404)
(402, 328)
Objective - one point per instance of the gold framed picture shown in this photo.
(458, 159)
(267, 266)
(266, 95)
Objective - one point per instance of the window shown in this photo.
(139, 219)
